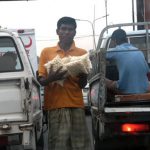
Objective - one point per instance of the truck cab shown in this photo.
(118, 120)
(20, 102)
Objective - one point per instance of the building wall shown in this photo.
(140, 12)
(147, 10)
(143, 12)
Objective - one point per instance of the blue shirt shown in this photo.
(132, 68)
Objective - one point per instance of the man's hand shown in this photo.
(82, 80)
(53, 76)
(56, 75)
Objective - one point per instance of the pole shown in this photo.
(93, 28)
(93, 32)
(133, 17)
(106, 13)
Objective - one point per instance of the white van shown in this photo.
(20, 98)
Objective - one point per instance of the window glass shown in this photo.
(139, 42)
(9, 58)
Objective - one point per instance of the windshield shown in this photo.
(9, 58)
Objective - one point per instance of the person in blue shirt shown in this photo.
(131, 65)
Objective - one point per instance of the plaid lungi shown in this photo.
(68, 130)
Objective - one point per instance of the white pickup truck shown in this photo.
(118, 121)
(20, 98)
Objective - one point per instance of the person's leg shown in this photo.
(80, 138)
(59, 129)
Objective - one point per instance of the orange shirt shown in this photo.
(57, 96)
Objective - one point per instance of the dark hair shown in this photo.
(120, 36)
(66, 20)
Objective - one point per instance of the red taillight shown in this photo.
(135, 127)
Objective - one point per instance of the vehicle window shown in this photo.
(9, 58)
(139, 42)
(110, 44)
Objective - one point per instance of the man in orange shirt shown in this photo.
(66, 116)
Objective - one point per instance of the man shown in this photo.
(131, 64)
(66, 116)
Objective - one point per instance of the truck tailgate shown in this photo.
(11, 100)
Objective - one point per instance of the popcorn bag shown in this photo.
(72, 68)
(56, 63)
(73, 64)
